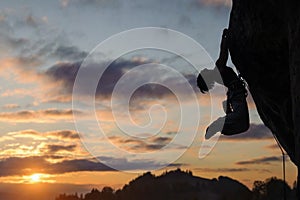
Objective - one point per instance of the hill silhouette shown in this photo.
(181, 185)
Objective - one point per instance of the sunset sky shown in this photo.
(43, 44)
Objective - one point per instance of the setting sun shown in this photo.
(35, 178)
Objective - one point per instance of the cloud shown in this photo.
(30, 55)
(25, 67)
(56, 83)
(31, 20)
(21, 67)
(6, 138)
(38, 164)
(54, 148)
(66, 72)
(55, 135)
(23, 45)
(19, 166)
(255, 132)
(161, 140)
(215, 3)
(272, 146)
(98, 3)
(141, 145)
(78, 165)
(63, 134)
(27, 134)
(231, 170)
(10, 106)
(124, 164)
(39, 116)
(260, 161)
(16, 92)
(223, 170)
(38, 42)
(51, 144)
(68, 53)
(26, 56)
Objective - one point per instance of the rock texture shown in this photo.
(265, 49)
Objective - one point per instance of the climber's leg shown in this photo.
(237, 115)
(215, 127)
(237, 121)
(233, 123)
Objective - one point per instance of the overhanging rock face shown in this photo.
(265, 49)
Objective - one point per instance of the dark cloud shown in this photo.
(34, 52)
(58, 135)
(149, 147)
(49, 115)
(31, 20)
(54, 148)
(178, 165)
(69, 53)
(12, 42)
(255, 132)
(231, 170)
(258, 161)
(124, 164)
(54, 157)
(66, 73)
(18, 166)
(161, 139)
(20, 45)
(139, 145)
(78, 165)
(171, 133)
(64, 134)
(146, 146)
(37, 44)
(223, 170)
(35, 164)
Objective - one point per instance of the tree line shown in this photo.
(183, 185)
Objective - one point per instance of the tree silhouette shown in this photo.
(272, 189)
(93, 195)
(107, 193)
(181, 185)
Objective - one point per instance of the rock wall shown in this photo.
(265, 49)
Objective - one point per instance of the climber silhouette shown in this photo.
(236, 119)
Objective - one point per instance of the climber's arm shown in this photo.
(224, 53)
(227, 73)
(221, 73)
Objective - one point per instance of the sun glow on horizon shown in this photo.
(35, 178)
(39, 178)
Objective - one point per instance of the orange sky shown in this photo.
(42, 47)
